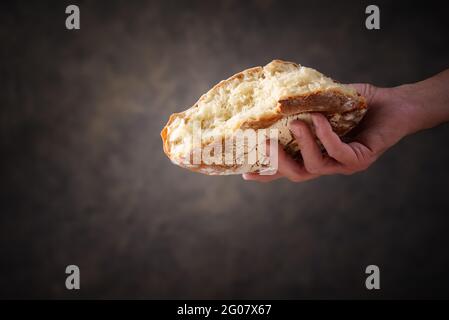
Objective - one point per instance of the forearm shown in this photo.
(427, 100)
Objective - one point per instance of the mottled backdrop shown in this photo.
(84, 180)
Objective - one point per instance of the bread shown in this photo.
(266, 97)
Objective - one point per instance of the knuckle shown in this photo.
(335, 153)
(297, 126)
(363, 165)
(356, 162)
(353, 164)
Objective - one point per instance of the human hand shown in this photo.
(385, 123)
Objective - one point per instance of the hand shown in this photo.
(385, 123)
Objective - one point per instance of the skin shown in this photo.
(394, 113)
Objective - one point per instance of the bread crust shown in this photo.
(344, 111)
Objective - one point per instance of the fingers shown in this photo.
(314, 161)
(287, 167)
(341, 158)
(352, 157)
(309, 148)
(335, 148)
(291, 169)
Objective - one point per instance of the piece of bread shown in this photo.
(258, 98)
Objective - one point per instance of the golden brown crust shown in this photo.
(238, 76)
(326, 101)
(261, 123)
(164, 133)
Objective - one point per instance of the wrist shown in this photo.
(411, 112)
(426, 103)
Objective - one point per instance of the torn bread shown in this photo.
(266, 97)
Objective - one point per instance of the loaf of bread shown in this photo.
(266, 97)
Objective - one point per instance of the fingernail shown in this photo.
(295, 129)
(315, 119)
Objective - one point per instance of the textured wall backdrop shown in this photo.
(84, 180)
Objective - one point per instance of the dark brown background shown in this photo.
(84, 180)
